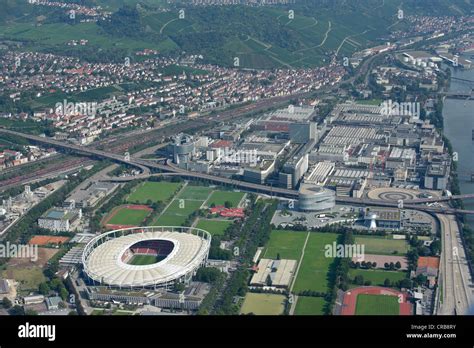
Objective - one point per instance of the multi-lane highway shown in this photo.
(145, 165)
(455, 282)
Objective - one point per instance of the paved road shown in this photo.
(456, 283)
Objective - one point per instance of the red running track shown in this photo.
(350, 299)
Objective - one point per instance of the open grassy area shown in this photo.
(169, 220)
(177, 212)
(288, 244)
(220, 197)
(154, 191)
(214, 227)
(128, 217)
(183, 207)
(377, 277)
(310, 305)
(383, 245)
(28, 277)
(377, 305)
(263, 304)
(313, 273)
(195, 192)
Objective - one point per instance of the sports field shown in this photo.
(310, 305)
(214, 227)
(195, 192)
(177, 212)
(288, 244)
(127, 216)
(383, 245)
(220, 197)
(139, 260)
(263, 304)
(154, 191)
(377, 305)
(377, 277)
(313, 273)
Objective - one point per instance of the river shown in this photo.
(458, 127)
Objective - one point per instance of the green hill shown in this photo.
(260, 37)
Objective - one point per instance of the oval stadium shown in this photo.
(145, 257)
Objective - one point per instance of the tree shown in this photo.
(359, 280)
(228, 204)
(405, 283)
(387, 283)
(278, 256)
(44, 288)
(63, 294)
(6, 303)
(17, 310)
(398, 265)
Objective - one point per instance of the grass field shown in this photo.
(383, 245)
(377, 305)
(177, 212)
(214, 227)
(139, 260)
(220, 197)
(29, 278)
(169, 220)
(310, 305)
(377, 277)
(154, 191)
(128, 217)
(313, 273)
(263, 304)
(195, 192)
(288, 244)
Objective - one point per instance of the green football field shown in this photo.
(214, 227)
(377, 305)
(313, 273)
(310, 305)
(220, 197)
(263, 304)
(383, 245)
(195, 192)
(177, 212)
(288, 244)
(154, 191)
(128, 217)
(139, 260)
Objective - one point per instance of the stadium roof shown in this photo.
(104, 262)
